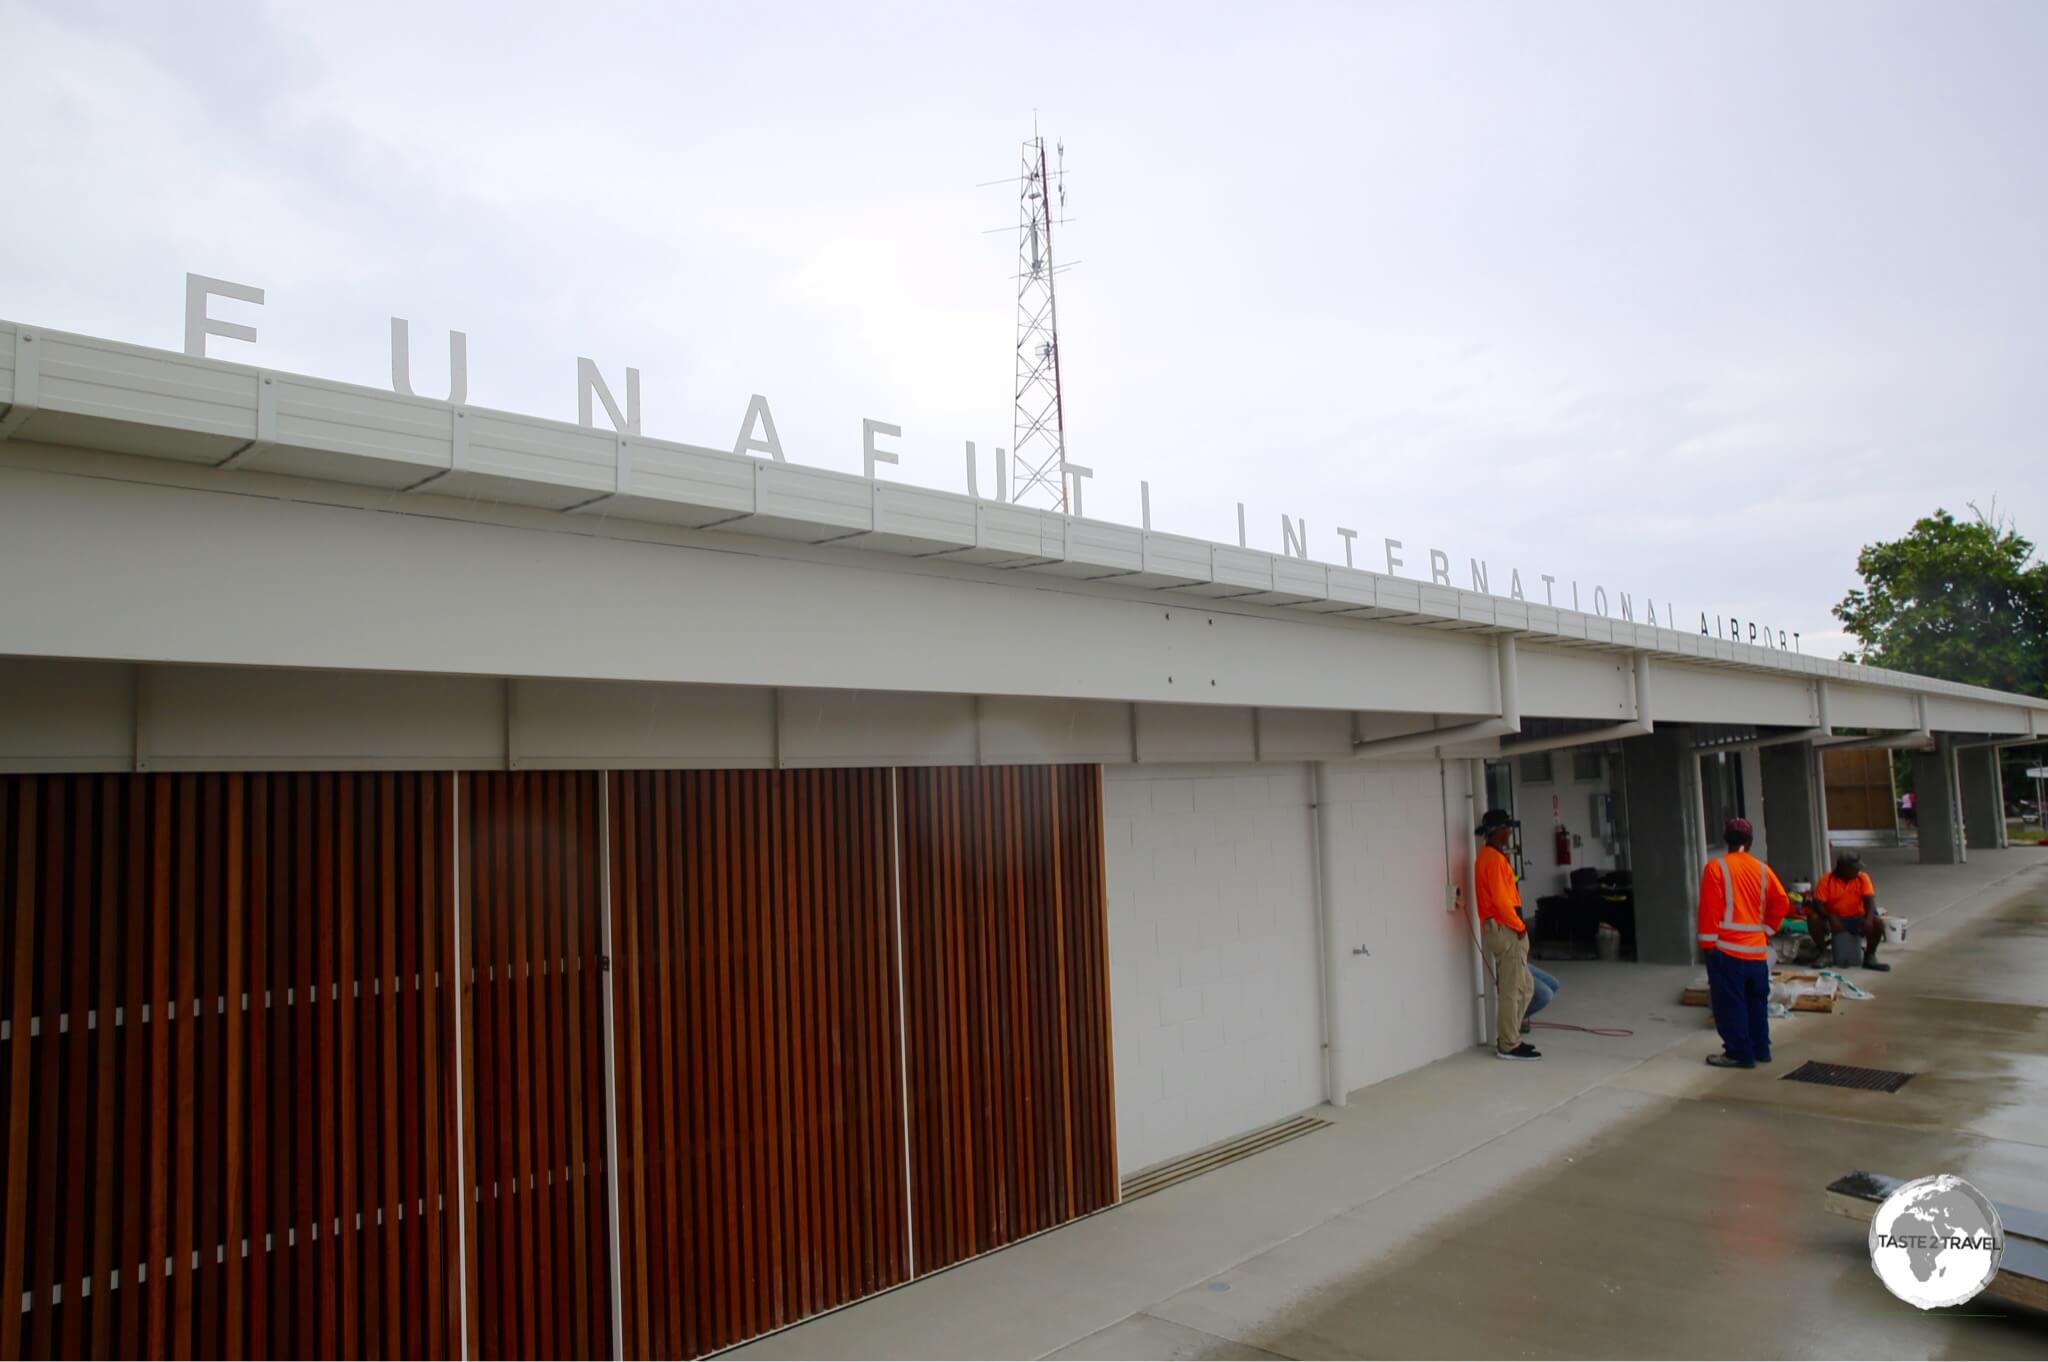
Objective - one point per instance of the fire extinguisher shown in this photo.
(1564, 845)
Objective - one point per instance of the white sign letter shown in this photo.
(401, 362)
(588, 379)
(1515, 585)
(1347, 536)
(871, 456)
(1077, 472)
(1293, 536)
(1240, 526)
(973, 475)
(1439, 567)
(1394, 560)
(1600, 600)
(198, 326)
(1549, 597)
(1479, 577)
(769, 443)
(1145, 504)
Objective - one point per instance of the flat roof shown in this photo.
(72, 390)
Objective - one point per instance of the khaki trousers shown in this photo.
(1512, 984)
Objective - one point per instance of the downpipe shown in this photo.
(1333, 951)
(1475, 782)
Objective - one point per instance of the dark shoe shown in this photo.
(1872, 962)
(1763, 1059)
(1523, 1051)
(1728, 1062)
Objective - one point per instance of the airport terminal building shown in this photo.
(479, 885)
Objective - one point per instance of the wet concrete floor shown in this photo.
(1663, 1214)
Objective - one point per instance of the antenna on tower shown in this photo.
(1038, 437)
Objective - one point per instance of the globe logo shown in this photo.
(1936, 1242)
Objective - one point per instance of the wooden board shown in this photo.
(2022, 1270)
(1697, 997)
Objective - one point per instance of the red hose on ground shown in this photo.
(1589, 1030)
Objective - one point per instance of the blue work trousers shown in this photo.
(1741, 991)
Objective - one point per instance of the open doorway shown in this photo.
(1577, 874)
(1721, 793)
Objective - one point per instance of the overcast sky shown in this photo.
(1685, 300)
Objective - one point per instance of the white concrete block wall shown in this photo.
(1401, 843)
(1213, 953)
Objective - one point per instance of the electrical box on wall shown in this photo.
(1600, 812)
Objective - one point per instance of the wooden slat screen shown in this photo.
(760, 1098)
(1859, 789)
(533, 1062)
(1012, 1125)
(228, 1079)
(225, 1095)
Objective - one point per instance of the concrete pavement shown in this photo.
(1617, 1198)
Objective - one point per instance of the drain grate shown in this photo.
(1849, 1076)
(1216, 1156)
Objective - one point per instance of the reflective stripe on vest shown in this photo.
(1729, 922)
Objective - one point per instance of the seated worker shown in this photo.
(1848, 902)
(1545, 987)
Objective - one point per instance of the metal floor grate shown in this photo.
(1848, 1076)
(1216, 1156)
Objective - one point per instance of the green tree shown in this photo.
(1960, 600)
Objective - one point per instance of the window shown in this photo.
(1586, 764)
(1535, 769)
(1500, 786)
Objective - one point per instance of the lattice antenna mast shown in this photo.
(1038, 443)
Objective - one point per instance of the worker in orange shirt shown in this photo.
(1848, 902)
(1504, 935)
(1741, 904)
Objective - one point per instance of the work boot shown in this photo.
(1724, 1061)
(1870, 961)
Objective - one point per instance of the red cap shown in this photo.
(1739, 827)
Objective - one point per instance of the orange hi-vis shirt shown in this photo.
(1493, 883)
(1741, 904)
(1844, 898)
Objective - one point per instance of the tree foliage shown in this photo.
(1963, 600)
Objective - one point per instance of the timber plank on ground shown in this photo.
(2022, 1270)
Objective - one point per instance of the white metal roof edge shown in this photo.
(66, 389)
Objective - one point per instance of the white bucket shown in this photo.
(1608, 941)
(1895, 930)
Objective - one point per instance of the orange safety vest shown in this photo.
(1493, 884)
(1742, 930)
